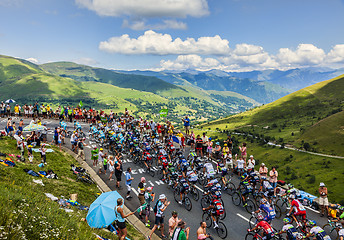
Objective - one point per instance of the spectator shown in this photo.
(202, 232)
(81, 154)
(240, 165)
(192, 140)
(122, 228)
(105, 164)
(243, 150)
(111, 164)
(20, 142)
(250, 164)
(179, 232)
(159, 217)
(229, 142)
(273, 179)
(118, 171)
(186, 125)
(204, 143)
(263, 171)
(149, 198)
(323, 200)
(128, 181)
(173, 222)
(199, 146)
(43, 153)
(101, 155)
(209, 147)
(94, 155)
(141, 190)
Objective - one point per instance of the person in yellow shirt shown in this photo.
(16, 110)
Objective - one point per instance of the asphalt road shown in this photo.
(236, 220)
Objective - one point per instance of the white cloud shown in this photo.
(167, 24)
(33, 60)
(184, 62)
(86, 61)
(147, 8)
(163, 44)
(305, 54)
(336, 55)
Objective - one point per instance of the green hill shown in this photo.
(294, 118)
(85, 73)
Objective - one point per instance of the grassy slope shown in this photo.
(294, 113)
(24, 209)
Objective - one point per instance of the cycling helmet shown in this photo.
(290, 185)
(286, 220)
(170, 164)
(225, 145)
(312, 222)
(242, 177)
(263, 178)
(263, 201)
(211, 177)
(260, 217)
(189, 168)
(147, 148)
(74, 120)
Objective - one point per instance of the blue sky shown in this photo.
(231, 35)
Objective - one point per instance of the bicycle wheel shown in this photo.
(251, 206)
(250, 236)
(278, 211)
(230, 188)
(207, 219)
(176, 194)
(331, 231)
(252, 222)
(282, 204)
(205, 202)
(236, 198)
(221, 230)
(194, 193)
(202, 180)
(187, 204)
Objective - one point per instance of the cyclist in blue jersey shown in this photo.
(270, 213)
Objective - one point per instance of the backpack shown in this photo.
(218, 207)
(155, 209)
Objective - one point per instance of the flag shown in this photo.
(81, 104)
(176, 139)
(141, 208)
(163, 112)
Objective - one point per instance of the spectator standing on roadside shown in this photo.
(101, 155)
(250, 164)
(128, 180)
(118, 171)
(204, 143)
(263, 170)
(202, 232)
(141, 195)
(186, 121)
(179, 233)
(173, 222)
(94, 155)
(81, 153)
(159, 217)
(149, 198)
(273, 178)
(323, 200)
(122, 228)
(229, 142)
(199, 146)
(243, 150)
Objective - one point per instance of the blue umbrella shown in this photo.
(102, 211)
(10, 101)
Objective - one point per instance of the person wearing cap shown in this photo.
(141, 191)
(149, 198)
(94, 155)
(217, 151)
(179, 232)
(29, 153)
(263, 171)
(101, 155)
(323, 200)
(173, 222)
(162, 204)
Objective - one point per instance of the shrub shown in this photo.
(311, 179)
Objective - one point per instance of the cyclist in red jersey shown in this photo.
(298, 210)
(268, 231)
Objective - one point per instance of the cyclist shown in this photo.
(317, 232)
(146, 157)
(298, 209)
(270, 213)
(93, 130)
(192, 176)
(268, 231)
(77, 125)
(217, 209)
(248, 188)
(208, 166)
(184, 186)
(289, 229)
(266, 188)
(101, 136)
(63, 125)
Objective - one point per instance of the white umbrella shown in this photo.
(10, 101)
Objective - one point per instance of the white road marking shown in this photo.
(141, 170)
(133, 171)
(316, 211)
(246, 219)
(150, 182)
(135, 191)
(160, 182)
(88, 146)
